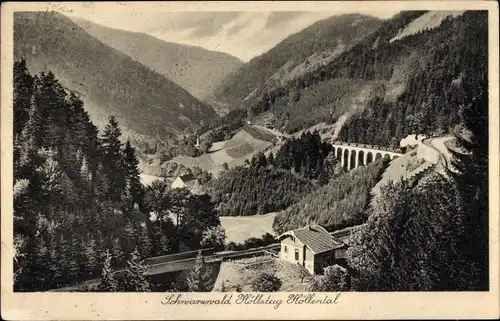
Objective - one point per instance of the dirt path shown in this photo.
(439, 144)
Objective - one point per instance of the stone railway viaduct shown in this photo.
(353, 155)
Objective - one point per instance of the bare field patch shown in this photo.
(217, 146)
(147, 180)
(240, 150)
(204, 162)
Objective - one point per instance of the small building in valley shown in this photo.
(313, 248)
(187, 181)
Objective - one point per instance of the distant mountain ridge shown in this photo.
(195, 69)
(109, 82)
(314, 46)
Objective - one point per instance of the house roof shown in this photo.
(315, 237)
(187, 177)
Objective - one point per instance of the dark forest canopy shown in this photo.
(257, 190)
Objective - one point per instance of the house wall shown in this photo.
(305, 257)
(323, 260)
(333, 257)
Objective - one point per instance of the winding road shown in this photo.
(439, 145)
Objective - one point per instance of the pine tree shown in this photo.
(199, 279)
(164, 245)
(90, 256)
(270, 159)
(405, 246)
(117, 252)
(68, 261)
(108, 281)
(22, 95)
(26, 144)
(112, 160)
(50, 99)
(131, 168)
(145, 246)
(136, 278)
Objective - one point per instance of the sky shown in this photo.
(243, 34)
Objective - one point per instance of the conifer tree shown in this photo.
(131, 168)
(165, 246)
(117, 252)
(112, 160)
(145, 246)
(108, 281)
(91, 256)
(270, 159)
(50, 99)
(199, 279)
(405, 246)
(23, 92)
(136, 278)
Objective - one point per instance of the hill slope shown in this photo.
(197, 70)
(247, 142)
(108, 81)
(409, 76)
(313, 46)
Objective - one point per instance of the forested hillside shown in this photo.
(312, 47)
(79, 207)
(195, 69)
(273, 183)
(449, 75)
(392, 88)
(257, 190)
(109, 82)
(340, 203)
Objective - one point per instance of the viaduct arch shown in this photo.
(353, 155)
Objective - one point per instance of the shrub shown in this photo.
(335, 278)
(266, 282)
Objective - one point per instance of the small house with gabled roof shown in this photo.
(312, 247)
(188, 181)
